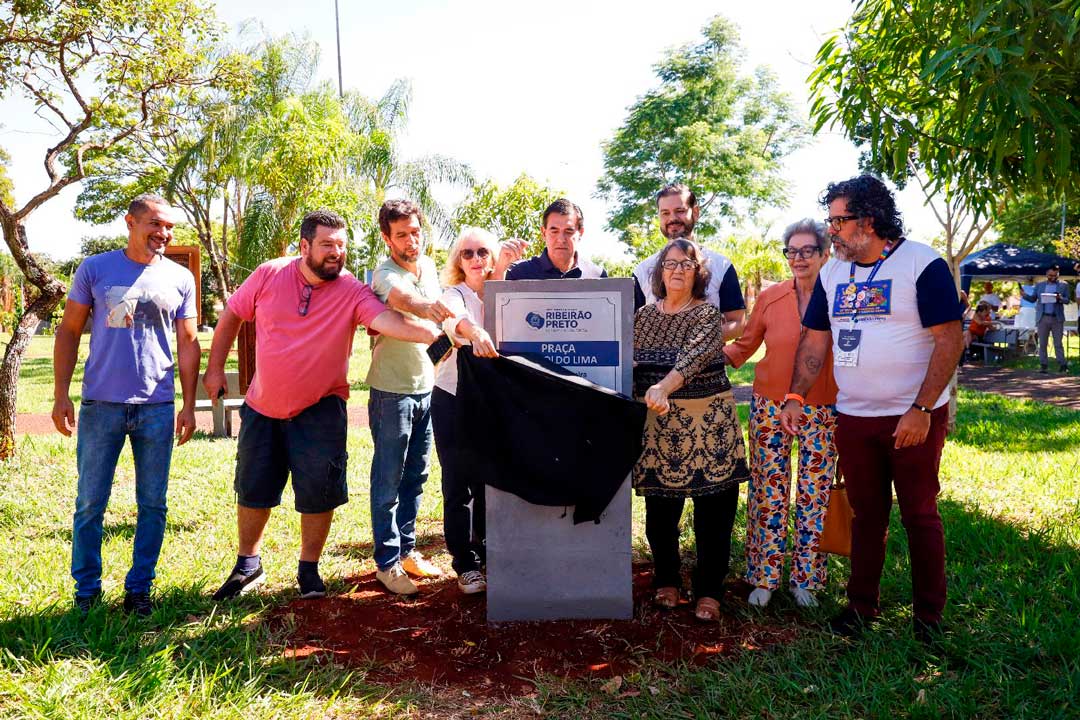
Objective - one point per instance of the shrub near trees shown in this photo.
(511, 212)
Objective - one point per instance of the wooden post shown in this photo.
(188, 256)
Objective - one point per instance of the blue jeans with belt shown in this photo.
(401, 431)
(103, 427)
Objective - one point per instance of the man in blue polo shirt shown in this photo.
(563, 225)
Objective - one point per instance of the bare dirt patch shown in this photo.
(441, 637)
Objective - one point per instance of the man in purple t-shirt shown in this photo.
(293, 422)
(136, 296)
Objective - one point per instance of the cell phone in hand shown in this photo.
(440, 349)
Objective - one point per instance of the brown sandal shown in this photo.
(707, 610)
(666, 597)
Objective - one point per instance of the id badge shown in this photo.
(846, 352)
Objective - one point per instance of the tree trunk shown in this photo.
(207, 239)
(226, 278)
(51, 292)
(39, 310)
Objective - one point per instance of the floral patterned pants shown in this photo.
(767, 494)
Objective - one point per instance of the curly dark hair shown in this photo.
(692, 252)
(868, 197)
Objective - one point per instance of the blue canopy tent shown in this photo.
(1009, 262)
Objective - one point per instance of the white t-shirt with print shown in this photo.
(911, 292)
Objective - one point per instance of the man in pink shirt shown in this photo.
(306, 311)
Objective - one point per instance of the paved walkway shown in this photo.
(1063, 390)
(1054, 388)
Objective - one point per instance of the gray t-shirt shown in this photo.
(398, 366)
(134, 308)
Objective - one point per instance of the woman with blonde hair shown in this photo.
(471, 262)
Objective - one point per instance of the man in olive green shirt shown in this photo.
(401, 378)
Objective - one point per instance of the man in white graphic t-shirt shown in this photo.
(892, 312)
(678, 211)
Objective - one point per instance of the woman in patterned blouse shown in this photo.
(693, 447)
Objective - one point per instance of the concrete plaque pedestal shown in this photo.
(541, 566)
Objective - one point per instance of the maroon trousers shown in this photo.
(872, 467)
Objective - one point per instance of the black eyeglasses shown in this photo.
(804, 252)
(305, 300)
(684, 264)
(482, 253)
(837, 221)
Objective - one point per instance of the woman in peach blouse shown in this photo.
(776, 321)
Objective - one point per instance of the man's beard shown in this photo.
(852, 251)
(403, 256)
(685, 230)
(325, 270)
(153, 248)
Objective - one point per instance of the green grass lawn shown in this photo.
(1010, 502)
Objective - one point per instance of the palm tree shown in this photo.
(380, 166)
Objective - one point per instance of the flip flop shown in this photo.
(707, 610)
(666, 597)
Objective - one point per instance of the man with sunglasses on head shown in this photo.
(293, 421)
(891, 311)
(678, 211)
(402, 377)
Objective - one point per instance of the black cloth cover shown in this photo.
(529, 428)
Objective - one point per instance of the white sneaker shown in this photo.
(396, 581)
(415, 564)
(804, 598)
(760, 597)
(472, 581)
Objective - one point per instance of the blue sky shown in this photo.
(510, 87)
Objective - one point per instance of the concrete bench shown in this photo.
(225, 407)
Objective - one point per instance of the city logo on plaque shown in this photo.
(535, 320)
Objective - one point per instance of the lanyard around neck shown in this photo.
(885, 252)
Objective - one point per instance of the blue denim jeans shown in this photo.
(103, 426)
(401, 430)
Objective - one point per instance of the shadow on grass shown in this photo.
(991, 422)
(37, 370)
(1009, 650)
(188, 640)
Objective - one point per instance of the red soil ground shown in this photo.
(441, 637)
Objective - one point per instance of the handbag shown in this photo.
(836, 530)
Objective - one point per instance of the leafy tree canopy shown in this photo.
(981, 94)
(722, 133)
(7, 187)
(1031, 221)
